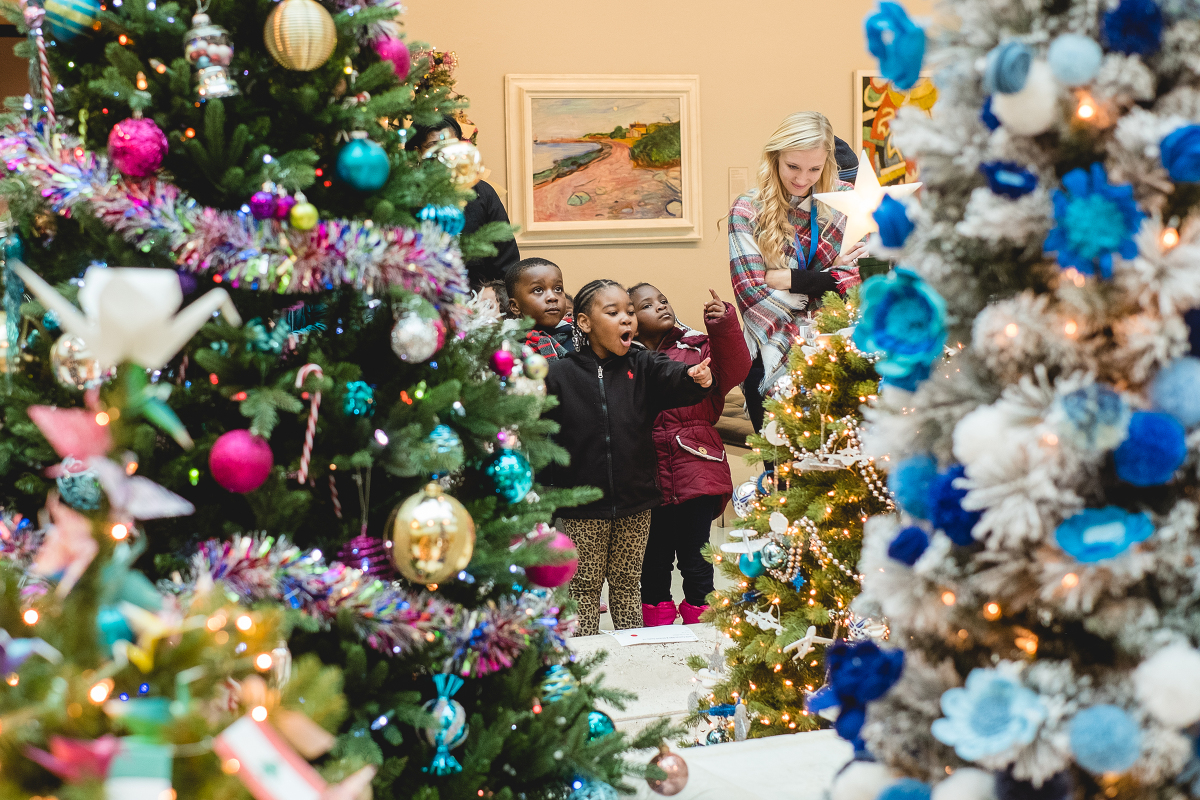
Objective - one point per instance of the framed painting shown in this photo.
(876, 102)
(603, 159)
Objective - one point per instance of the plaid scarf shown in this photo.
(552, 344)
(771, 316)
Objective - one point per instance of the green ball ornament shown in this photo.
(363, 164)
(558, 684)
(511, 475)
(304, 216)
(70, 18)
(599, 725)
(537, 367)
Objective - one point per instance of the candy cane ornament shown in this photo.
(34, 17)
(311, 430)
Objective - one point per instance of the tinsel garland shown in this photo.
(233, 247)
(388, 617)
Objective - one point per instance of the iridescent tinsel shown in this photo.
(370, 555)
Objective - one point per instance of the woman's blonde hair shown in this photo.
(804, 130)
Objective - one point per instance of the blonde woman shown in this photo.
(784, 254)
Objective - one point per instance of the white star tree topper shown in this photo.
(859, 205)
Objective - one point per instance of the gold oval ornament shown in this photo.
(433, 536)
(300, 34)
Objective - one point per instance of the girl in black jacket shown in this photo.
(609, 397)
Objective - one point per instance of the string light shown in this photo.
(1070, 328)
(100, 691)
(263, 662)
(948, 598)
(244, 623)
(1086, 109)
(119, 531)
(991, 611)
(216, 622)
(231, 766)
(142, 84)
(30, 616)
(1169, 238)
(259, 713)
(102, 419)
(1011, 330)
(1070, 580)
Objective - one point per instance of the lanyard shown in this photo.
(812, 239)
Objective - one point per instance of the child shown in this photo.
(693, 471)
(535, 289)
(609, 397)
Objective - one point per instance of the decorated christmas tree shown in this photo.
(240, 360)
(792, 579)
(1041, 577)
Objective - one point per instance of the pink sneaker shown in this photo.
(603, 608)
(690, 613)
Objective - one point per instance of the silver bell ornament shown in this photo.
(449, 729)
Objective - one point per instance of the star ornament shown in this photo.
(859, 204)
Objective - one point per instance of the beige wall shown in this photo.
(758, 61)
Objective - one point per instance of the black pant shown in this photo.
(754, 398)
(679, 530)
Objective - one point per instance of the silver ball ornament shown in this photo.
(744, 495)
(773, 555)
(74, 366)
(415, 339)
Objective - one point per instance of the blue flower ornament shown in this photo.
(898, 43)
(1096, 534)
(1095, 219)
(1180, 153)
(991, 714)
(905, 319)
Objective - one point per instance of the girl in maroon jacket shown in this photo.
(693, 471)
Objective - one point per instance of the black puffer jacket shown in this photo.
(607, 411)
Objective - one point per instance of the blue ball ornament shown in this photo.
(360, 399)
(894, 224)
(599, 725)
(1074, 58)
(1176, 391)
(363, 165)
(1105, 738)
(448, 218)
(910, 481)
(558, 683)
(70, 18)
(1155, 447)
(1007, 67)
(511, 475)
(751, 565)
(906, 789)
(80, 490)
(909, 544)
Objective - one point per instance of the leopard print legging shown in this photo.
(612, 549)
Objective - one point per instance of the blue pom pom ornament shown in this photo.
(1105, 739)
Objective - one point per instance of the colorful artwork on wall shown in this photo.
(875, 106)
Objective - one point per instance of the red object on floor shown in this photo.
(690, 613)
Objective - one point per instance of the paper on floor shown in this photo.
(659, 634)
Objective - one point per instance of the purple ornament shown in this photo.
(187, 282)
(136, 147)
(368, 554)
(263, 205)
(283, 206)
(395, 51)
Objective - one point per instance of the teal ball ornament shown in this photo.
(511, 475)
(773, 555)
(751, 565)
(363, 165)
(599, 725)
(70, 18)
(80, 490)
(558, 683)
(449, 720)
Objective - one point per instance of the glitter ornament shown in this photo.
(584, 789)
(558, 683)
(551, 576)
(536, 367)
(502, 362)
(448, 218)
(304, 215)
(80, 490)
(300, 34)
(206, 47)
(136, 147)
(284, 204)
(240, 461)
(773, 555)
(461, 158)
(511, 475)
(263, 205)
(443, 450)
(599, 725)
(396, 52)
(73, 365)
(363, 164)
(677, 773)
(360, 399)
(433, 536)
(415, 339)
(368, 554)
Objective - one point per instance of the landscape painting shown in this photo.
(597, 159)
(876, 104)
(606, 159)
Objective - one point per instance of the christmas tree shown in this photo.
(1040, 579)
(239, 359)
(790, 591)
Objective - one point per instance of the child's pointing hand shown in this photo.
(701, 374)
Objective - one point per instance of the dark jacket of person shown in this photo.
(607, 410)
(485, 208)
(691, 457)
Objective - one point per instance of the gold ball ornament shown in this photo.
(303, 216)
(300, 34)
(433, 536)
(461, 158)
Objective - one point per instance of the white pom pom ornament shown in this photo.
(1168, 685)
(1033, 109)
(967, 784)
(862, 780)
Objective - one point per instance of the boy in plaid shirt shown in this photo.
(535, 289)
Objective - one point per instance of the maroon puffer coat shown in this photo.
(691, 457)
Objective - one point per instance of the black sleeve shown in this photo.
(485, 208)
(670, 386)
(813, 282)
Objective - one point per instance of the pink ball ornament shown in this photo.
(284, 206)
(503, 362)
(395, 51)
(136, 147)
(263, 205)
(240, 461)
(550, 576)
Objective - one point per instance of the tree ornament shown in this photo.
(240, 461)
(511, 475)
(744, 495)
(448, 218)
(558, 683)
(449, 728)
(502, 363)
(751, 565)
(551, 576)
(70, 18)
(74, 366)
(206, 47)
(536, 367)
(304, 215)
(676, 769)
(1033, 109)
(773, 555)
(586, 789)
(433, 536)
(368, 554)
(300, 34)
(395, 51)
(461, 158)
(80, 490)
(1104, 739)
(905, 789)
(443, 450)
(137, 146)
(416, 339)
(599, 725)
(284, 203)
(281, 665)
(359, 400)
(859, 205)
(1155, 447)
(362, 163)
(263, 204)
(1074, 59)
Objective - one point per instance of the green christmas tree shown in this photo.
(792, 596)
(240, 360)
